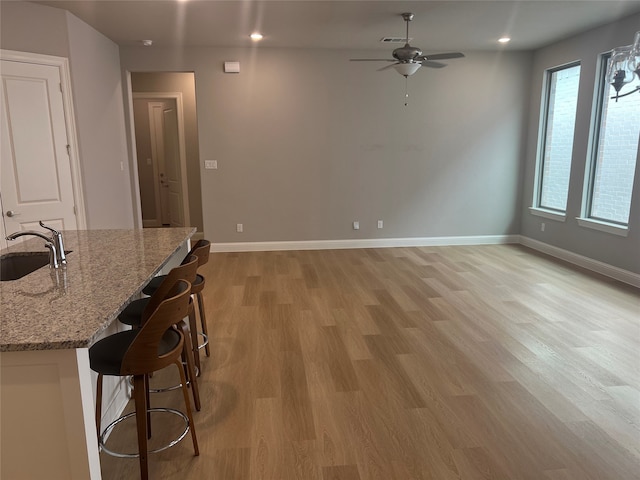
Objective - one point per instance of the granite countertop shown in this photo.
(69, 307)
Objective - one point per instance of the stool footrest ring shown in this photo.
(167, 389)
(173, 387)
(113, 424)
(205, 342)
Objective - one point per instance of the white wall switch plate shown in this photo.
(356, 225)
(239, 228)
(380, 223)
(211, 164)
(231, 67)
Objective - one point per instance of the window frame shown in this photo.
(538, 208)
(601, 92)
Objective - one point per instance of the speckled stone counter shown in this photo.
(68, 308)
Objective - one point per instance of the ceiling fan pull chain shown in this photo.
(406, 90)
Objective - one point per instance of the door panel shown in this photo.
(35, 166)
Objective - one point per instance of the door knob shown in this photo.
(11, 213)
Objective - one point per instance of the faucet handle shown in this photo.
(55, 232)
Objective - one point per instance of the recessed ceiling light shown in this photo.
(255, 36)
(504, 39)
(147, 43)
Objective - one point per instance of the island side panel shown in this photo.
(47, 431)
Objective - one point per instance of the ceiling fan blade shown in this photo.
(388, 66)
(372, 59)
(432, 64)
(444, 56)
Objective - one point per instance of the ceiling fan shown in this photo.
(407, 60)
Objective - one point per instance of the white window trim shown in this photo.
(600, 93)
(540, 148)
(601, 226)
(550, 214)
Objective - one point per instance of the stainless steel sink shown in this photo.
(16, 265)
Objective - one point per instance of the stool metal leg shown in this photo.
(203, 322)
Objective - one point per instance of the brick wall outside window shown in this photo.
(561, 119)
(617, 155)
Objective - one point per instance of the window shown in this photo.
(613, 154)
(556, 134)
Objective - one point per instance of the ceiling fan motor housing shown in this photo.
(406, 53)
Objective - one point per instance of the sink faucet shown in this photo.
(55, 244)
(58, 241)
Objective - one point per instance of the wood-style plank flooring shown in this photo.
(465, 362)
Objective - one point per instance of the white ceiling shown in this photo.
(359, 24)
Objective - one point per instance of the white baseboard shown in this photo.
(585, 262)
(362, 243)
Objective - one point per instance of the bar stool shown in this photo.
(137, 312)
(154, 346)
(201, 249)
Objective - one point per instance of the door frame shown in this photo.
(62, 64)
(177, 96)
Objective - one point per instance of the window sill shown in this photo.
(550, 214)
(603, 226)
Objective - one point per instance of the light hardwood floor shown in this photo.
(466, 362)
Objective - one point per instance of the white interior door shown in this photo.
(172, 168)
(35, 176)
(161, 158)
(166, 154)
(156, 127)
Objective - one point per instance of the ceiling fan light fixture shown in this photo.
(407, 69)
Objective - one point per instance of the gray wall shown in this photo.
(180, 82)
(308, 142)
(97, 91)
(622, 252)
(27, 27)
(97, 94)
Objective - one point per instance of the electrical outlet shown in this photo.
(380, 223)
(211, 164)
(239, 228)
(542, 227)
(356, 225)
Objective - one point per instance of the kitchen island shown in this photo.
(49, 318)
